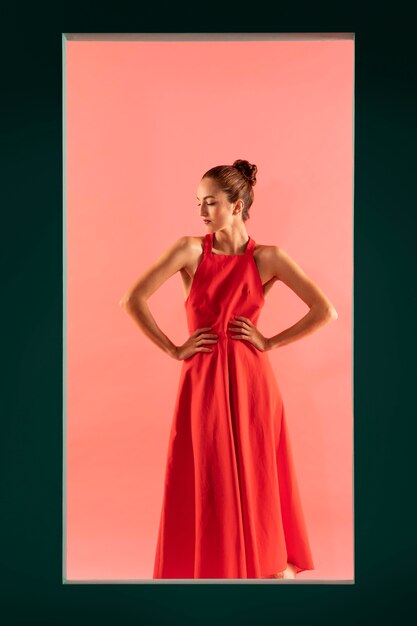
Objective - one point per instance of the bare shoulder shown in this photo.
(187, 244)
(174, 258)
(264, 255)
(192, 250)
(275, 264)
(195, 241)
(262, 250)
(278, 264)
(275, 260)
(193, 245)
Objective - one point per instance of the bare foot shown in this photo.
(289, 572)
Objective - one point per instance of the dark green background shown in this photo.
(384, 320)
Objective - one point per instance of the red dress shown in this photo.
(231, 506)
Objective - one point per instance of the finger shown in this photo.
(243, 322)
(199, 330)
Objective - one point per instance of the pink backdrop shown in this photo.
(144, 121)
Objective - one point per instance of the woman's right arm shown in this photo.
(134, 300)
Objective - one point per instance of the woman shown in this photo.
(231, 505)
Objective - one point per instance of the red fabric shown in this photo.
(231, 505)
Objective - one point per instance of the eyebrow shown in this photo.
(206, 197)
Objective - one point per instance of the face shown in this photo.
(214, 206)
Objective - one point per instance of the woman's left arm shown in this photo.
(321, 312)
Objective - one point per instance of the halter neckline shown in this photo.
(250, 244)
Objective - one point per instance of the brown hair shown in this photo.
(236, 181)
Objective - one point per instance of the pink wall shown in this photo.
(144, 121)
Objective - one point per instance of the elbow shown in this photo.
(326, 312)
(124, 301)
(331, 314)
(131, 300)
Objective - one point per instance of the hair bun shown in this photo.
(247, 170)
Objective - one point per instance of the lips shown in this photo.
(206, 221)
